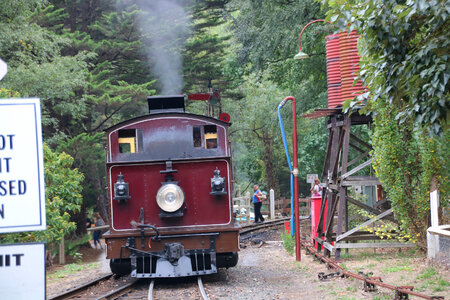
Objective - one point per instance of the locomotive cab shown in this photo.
(169, 188)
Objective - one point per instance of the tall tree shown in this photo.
(255, 125)
(205, 54)
(265, 40)
(118, 81)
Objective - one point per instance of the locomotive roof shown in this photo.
(171, 114)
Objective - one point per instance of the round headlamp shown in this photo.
(170, 197)
(121, 189)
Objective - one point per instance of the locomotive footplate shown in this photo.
(174, 260)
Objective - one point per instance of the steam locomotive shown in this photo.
(169, 187)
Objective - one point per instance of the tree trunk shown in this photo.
(102, 201)
(272, 181)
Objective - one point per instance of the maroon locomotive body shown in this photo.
(169, 179)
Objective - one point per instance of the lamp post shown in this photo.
(301, 54)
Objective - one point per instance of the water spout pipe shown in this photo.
(283, 135)
(294, 172)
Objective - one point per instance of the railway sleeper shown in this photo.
(400, 295)
(371, 287)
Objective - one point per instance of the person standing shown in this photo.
(257, 203)
(97, 233)
(88, 221)
(316, 190)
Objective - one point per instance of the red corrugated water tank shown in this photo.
(342, 68)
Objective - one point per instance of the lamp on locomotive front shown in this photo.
(121, 190)
(217, 184)
(170, 198)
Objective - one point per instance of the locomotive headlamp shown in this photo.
(121, 190)
(170, 197)
(217, 184)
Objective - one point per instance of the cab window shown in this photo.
(205, 136)
(197, 136)
(210, 137)
(127, 141)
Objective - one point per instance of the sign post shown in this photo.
(22, 195)
(3, 69)
(22, 271)
(310, 178)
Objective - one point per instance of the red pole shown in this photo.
(295, 173)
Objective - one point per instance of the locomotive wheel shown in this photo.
(227, 260)
(120, 267)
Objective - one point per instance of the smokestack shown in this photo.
(165, 104)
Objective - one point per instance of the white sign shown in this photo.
(22, 271)
(310, 178)
(3, 69)
(22, 195)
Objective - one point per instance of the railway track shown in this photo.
(108, 285)
(95, 287)
(370, 283)
(265, 225)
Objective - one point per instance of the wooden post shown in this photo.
(272, 204)
(433, 239)
(62, 254)
(248, 204)
(343, 189)
(434, 206)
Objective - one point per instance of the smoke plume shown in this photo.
(164, 26)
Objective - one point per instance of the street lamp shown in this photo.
(301, 54)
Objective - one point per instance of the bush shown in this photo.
(288, 242)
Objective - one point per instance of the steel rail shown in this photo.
(399, 290)
(265, 224)
(202, 288)
(79, 289)
(150, 289)
(119, 291)
(199, 282)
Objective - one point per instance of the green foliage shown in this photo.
(205, 53)
(72, 268)
(386, 229)
(7, 93)
(63, 198)
(407, 163)
(288, 242)
(73, 246)
(430, 278)
(398, 268)
(13, 11)
(255, 129)
(87, 152)
(63, 193)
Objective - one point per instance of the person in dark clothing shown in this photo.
(88, 221)
(257, 203)
(97, 233)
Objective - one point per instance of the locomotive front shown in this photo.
(169, 187)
